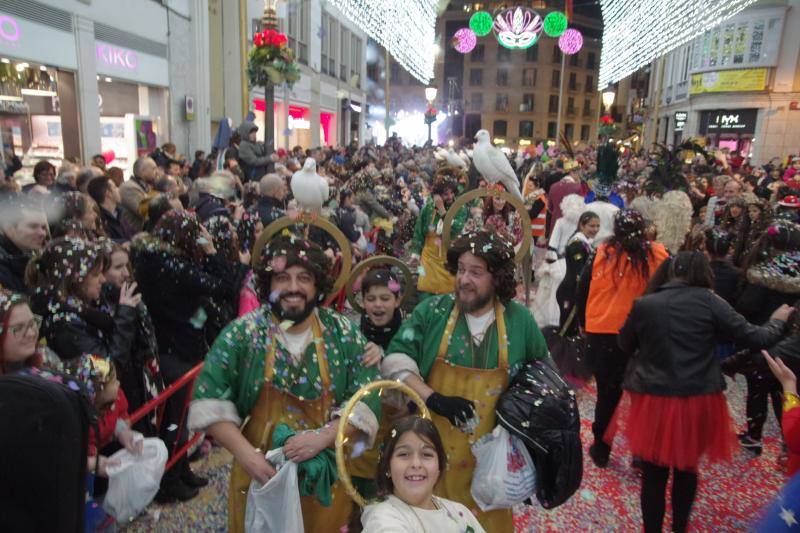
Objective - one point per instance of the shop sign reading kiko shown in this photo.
(116, 57)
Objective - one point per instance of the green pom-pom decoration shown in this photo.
(481, 23)
(555, 23)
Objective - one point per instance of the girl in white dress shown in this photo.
(412, 461)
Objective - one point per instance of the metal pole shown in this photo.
(388, 91)
(561, 93)
(429, 132)
(243, 57)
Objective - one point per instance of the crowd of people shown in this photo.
(655, 272)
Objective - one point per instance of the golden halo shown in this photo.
(365, 265)
(341, 464)
(324, 224)
(525, 218)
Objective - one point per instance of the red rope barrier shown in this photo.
(153, 404)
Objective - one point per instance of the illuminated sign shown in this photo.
(9, 29)
(680, 120)
(116, 57)
(728, 121)
(299, 123)
(750, 79)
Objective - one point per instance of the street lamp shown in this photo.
(430, 114)
(608, 98)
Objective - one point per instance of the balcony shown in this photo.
(572, 111)
(588, 112)
(525, 108)
(574, 87)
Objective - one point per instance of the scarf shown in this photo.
(381, 335)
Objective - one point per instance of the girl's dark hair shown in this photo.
(156, 207)
(585, 217)
(378, 277)
(424, 429)
(718, 243)
(180, 229)
(691, 267)
(629, 236)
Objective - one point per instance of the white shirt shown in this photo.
(396, 516)
(296, 343)
(478, 325)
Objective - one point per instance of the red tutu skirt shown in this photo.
(676, 431)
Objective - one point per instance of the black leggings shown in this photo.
(653, 496)
(607, 362)
(761, 385)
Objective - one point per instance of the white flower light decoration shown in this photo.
(517, 27)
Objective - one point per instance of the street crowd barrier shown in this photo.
(158, 403)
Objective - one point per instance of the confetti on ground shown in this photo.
(729, 498)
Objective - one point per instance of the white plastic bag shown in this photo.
(504, 473)
(134, 481)
(275, 507)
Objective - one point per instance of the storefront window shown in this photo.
(36, 102)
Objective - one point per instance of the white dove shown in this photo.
(451, 157)
(309, 188)
(493, 164)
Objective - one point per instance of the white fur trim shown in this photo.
(397, 365)
(207, 411)
(363, 419)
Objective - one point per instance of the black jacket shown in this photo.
(176, 290)
(347, 223)
(209, 206)
(116, 227)
(726, 280)
(671, 334)
(12, 266)
(269, 210)
(72, 332)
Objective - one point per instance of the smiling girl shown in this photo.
(412, 462)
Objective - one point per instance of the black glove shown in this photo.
(456, 410)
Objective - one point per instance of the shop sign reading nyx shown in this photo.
(728, 121)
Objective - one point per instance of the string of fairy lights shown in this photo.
(636, 32)
(405, 28)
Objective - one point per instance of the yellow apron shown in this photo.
(435, 279)
(275, 407)
(482, 386)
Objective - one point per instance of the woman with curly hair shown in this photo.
(180, 270)
(736, 222)
(609, 284)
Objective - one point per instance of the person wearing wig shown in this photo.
(287, 369)
(459, 352)
(608, 285)
(426, 244)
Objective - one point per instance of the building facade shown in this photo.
(82, 77)
(325, 107)
(514, 94)
(737, 85)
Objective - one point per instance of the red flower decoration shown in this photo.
(281, 39)
(606, 119)
(258, 39)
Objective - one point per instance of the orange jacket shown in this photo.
(614, 288)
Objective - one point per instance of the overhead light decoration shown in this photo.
(555, 23)
(464, 40)
(481, 23)
(406, 29)
(517, 27)
(636, 32)
(571, 41)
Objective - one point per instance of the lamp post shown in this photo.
(430, 117)
(608, 98)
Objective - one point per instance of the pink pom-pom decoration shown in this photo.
(464, 40)
(773, 231)
(571, 41)
(393, 286)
